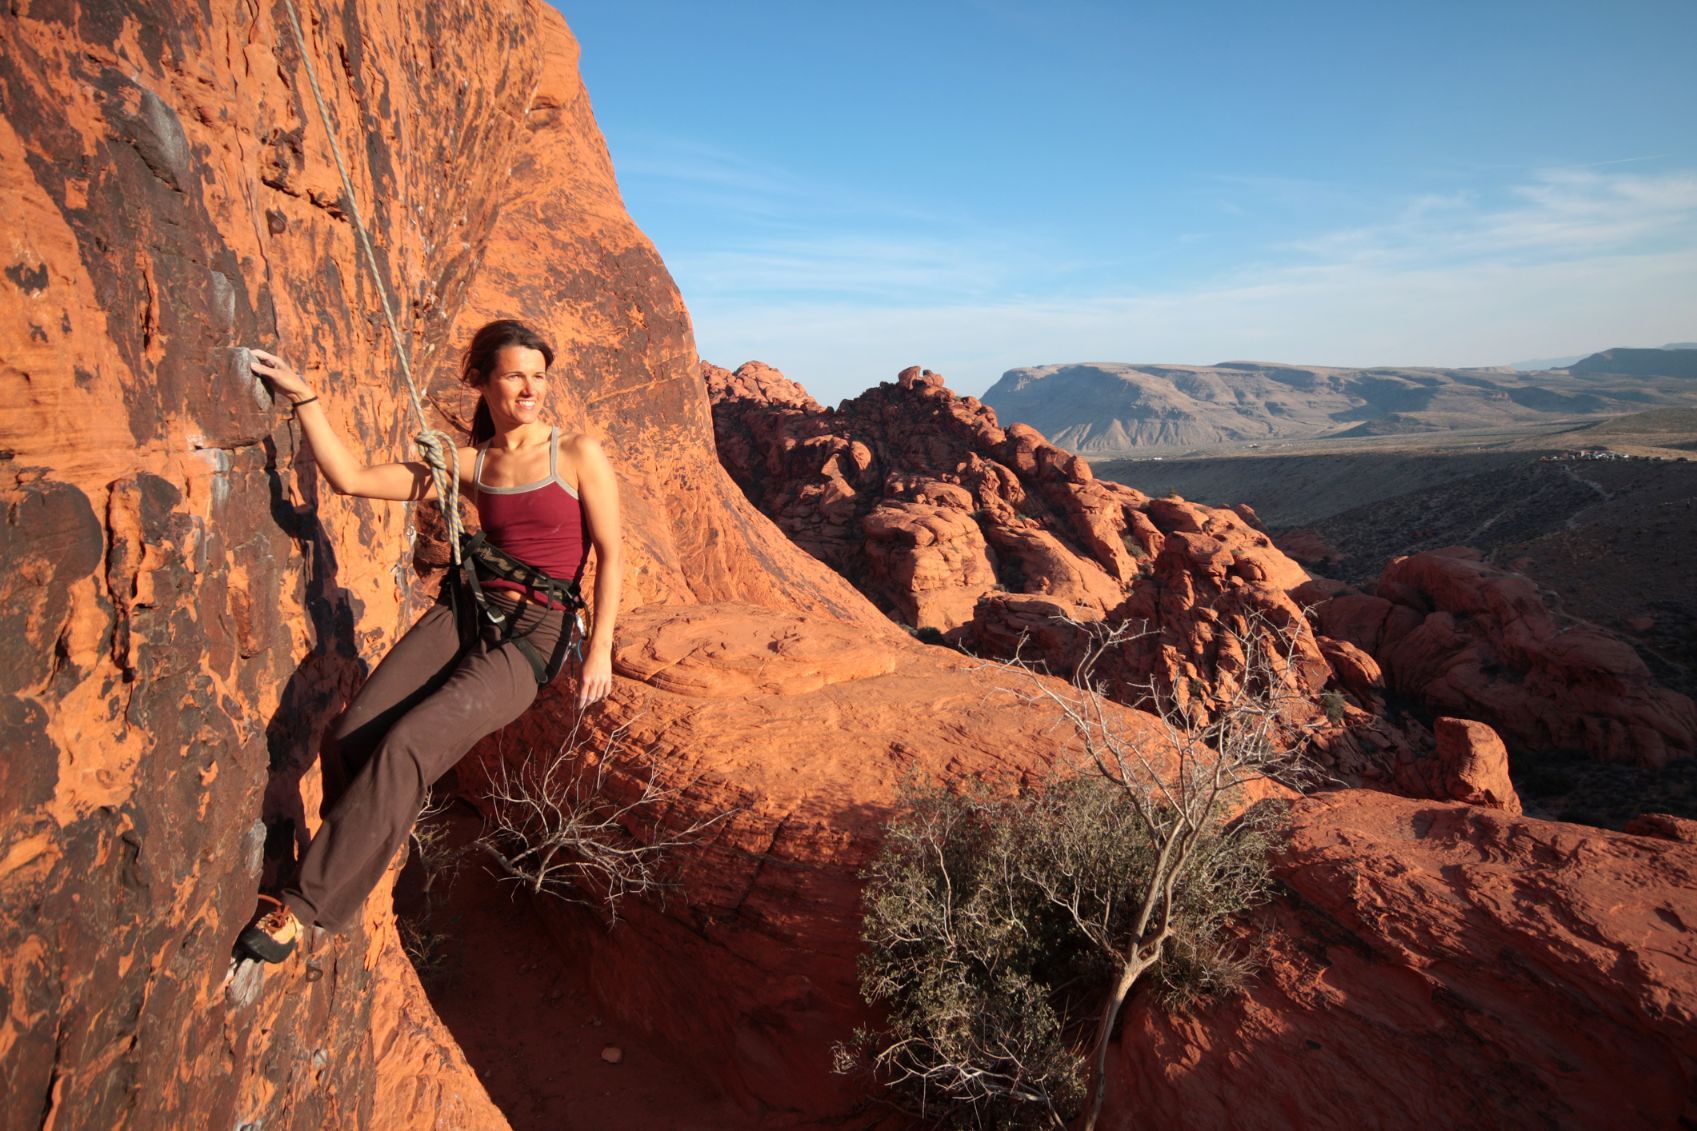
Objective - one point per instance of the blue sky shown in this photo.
(842, 190)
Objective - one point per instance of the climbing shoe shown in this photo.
(273, 933)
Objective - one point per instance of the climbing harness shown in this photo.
(481, 560)
(473, 556)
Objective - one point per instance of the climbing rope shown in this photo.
(434, 445)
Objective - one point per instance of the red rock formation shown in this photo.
(917, 496)
(801, 729)
(1309, 547)
(1000, 540)
(1472, 765)
(1442, 965)
(1664, 825)
(1467, 639)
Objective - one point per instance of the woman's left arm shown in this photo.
(598, 491)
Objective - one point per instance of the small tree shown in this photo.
(1178, 796)
(997, 925)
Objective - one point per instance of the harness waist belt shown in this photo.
(482, 563)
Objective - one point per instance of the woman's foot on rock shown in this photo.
(272, 935)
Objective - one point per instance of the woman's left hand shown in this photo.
(597, 678)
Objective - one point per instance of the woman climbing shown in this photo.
(475, 659)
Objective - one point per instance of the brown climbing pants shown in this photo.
(427, 703)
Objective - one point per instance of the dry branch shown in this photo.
(588, 825)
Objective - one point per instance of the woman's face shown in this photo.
(517, 384)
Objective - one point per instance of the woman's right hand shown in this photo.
(348, 473)
(277, 371)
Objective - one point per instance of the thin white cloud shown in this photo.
(843, 264)
(1557, 213)
(1569, 261)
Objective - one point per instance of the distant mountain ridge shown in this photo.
(1541, 363)
(1112, 406)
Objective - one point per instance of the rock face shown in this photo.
(188, 608)
(1107, 406)
(1467, 639)
(182, 621)
(1441, 965)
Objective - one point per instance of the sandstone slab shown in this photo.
(1443, 965)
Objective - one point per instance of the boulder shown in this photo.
(1472, 765)
(1464, 638)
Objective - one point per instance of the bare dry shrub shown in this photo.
(424, 946)
(1004, 933)
(439, 860)
(432, 845)
(566, 824)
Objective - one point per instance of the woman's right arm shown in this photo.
(347, 474)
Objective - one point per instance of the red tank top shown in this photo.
(540, 523)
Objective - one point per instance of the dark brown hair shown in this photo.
(480, 359)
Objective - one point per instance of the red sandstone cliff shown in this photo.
(189, 612)
(188, 607)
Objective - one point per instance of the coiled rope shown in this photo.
(433, 444)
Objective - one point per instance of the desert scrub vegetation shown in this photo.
(563, 824)
(1335, 706)
(1004, 931)
(438, 861)
(587, 822)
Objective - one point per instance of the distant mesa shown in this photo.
(1544, 363)
(1670, 361)
(1099, 407)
